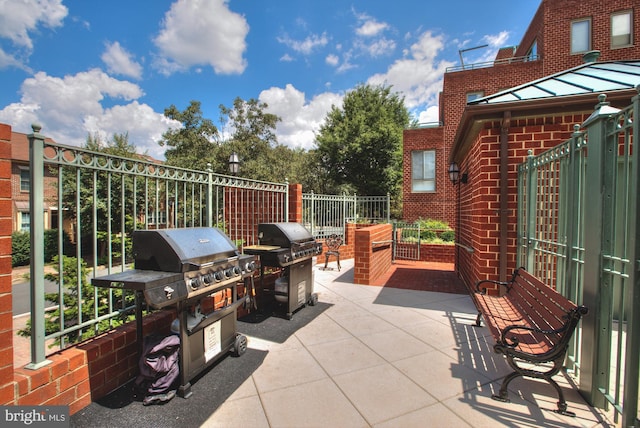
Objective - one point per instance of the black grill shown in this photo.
(289, 246)
(283, 244)
(195, 270)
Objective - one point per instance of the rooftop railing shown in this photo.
(487, 64)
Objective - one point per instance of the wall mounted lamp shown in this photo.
(234, 163)
(454, 174)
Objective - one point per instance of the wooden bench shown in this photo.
(531, 323)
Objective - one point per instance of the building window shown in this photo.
(581, 36)
(532, 53)
(621, 29)
(25, 180)
(474, 95)
(423, 171)
(25, 221)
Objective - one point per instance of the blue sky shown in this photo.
(79, 67)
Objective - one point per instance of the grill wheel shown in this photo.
(240, 345)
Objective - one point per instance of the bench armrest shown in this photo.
(512, 342)
(481, 286)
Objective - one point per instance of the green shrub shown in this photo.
(448, 236)
(427, 235)
(20, 248)
(436, 231)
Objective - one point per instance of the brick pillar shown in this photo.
(295, 203)
(6, 309)
(372, 253)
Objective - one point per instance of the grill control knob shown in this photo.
(208, 278)
(195, 283)
(218, 276)
(228, 272)
(237, 271)
(250, 267)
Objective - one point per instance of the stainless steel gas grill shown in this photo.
(195, 270)
(289, 246)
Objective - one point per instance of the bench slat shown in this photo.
(528, 304)
(531, 303)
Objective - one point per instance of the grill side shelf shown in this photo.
(136, 279)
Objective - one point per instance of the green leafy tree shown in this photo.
(252, 135)
(79, 185)
(360, 144)
(195, 143)
(78, 303)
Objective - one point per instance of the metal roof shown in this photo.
(593, 77)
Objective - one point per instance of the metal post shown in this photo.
(36, 211)
(210, 196)
(313, 214)
(286, 201)
(388, 207)
(632, 298)
(532, 196)
(592, 351)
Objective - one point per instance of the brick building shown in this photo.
(21, 186)
(557, 38)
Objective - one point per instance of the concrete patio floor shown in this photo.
(364, 356)
(390, 357)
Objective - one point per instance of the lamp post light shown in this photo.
(234, 163)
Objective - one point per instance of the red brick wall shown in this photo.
(372, 260)
(556, 32)
(295, 203)
(439, 204)
(550, 27)
(87, 372)
(50, 192)
(480, 197)
(7, 385)
(437, 253)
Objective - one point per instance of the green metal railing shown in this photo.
(325, 215)
(101, 199)
(579, 230)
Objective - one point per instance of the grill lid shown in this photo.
(182, 249)
(283, 234)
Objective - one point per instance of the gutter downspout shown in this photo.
(504, 191)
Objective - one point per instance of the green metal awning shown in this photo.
(593, 77)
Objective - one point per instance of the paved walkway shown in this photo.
(366, 356)
(389, 357)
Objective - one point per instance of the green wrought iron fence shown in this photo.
(578, 229)
(101, 199)
(406, 241)
(325, 215)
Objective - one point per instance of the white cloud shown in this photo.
(120, 61)
(8, 60)
(418, 77)
(301, 119)
(71, 107)
(430, 115)
(371, 27)
(332, 60)
(18, 18)
(497, 40)
(376, 48)
(202, 32)
(286, 58)
(306, 46)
